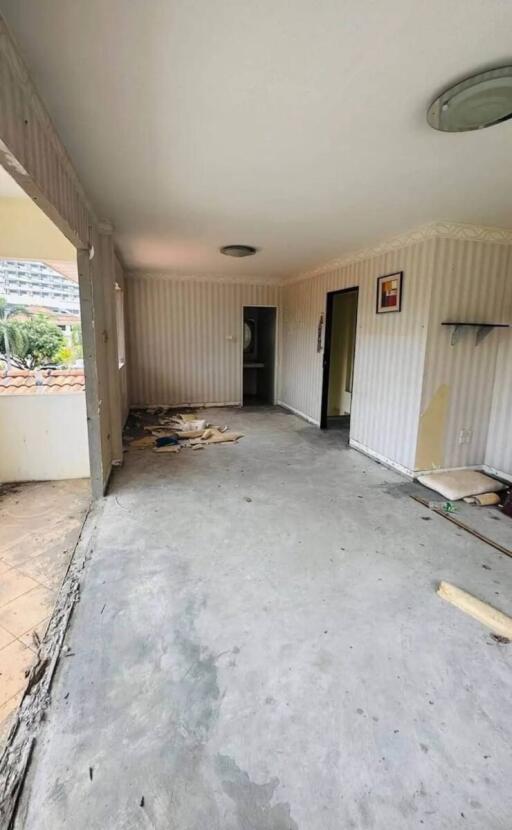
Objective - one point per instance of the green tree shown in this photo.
(11, 339)
(71, 351)
(76, 340)
(65, 356)
(39, 339)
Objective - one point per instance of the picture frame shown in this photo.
(389, 292)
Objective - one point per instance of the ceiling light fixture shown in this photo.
(479, 101)
(238, 250)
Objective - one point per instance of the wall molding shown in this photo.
(434, 230)
(461, 231)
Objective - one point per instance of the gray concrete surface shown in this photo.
(259, 646)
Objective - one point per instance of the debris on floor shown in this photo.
(142, 443)
(492, 536)
(507, 504)
(456, 484)
(171, 432)
(499, 623)
(483, 499)
(167, 448)
(166, 440)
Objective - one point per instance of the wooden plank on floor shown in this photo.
(498, 622)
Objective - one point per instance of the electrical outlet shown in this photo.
(465, 435)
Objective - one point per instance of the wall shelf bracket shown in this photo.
(482, 329)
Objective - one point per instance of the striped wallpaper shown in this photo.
(498, 454)
(413, 391)
(389, 349)
(184, 338)
(469, 284)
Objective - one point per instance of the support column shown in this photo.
(92, 386)
(108, 274)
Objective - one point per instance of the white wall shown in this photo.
(184, 338)
(469, 283)
(389, 354)
(43, 437)
(498, 453)
(413, 392)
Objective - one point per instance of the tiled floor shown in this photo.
(39, 526)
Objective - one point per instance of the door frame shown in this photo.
(326, 358)
(276, 348)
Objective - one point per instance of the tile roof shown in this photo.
(41, 381)
(55, 316)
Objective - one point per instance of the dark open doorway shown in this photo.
(259, 347)
(338, 363)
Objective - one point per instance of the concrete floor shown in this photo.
(259, 646)
(40, 522)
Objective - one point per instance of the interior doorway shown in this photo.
(338, 363)
(259, 355)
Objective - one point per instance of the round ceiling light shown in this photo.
(479, 101)
(238, 250)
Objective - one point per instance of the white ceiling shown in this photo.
(297, 126)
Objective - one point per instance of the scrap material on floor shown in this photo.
(458, 484)
(170, 433)
(291, 617)
(39, 526)
(489, 616)
(487, 519)
(483, 499)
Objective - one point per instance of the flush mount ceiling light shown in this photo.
(238, 250)
(479, 101)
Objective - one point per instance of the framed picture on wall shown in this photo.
(389, 292)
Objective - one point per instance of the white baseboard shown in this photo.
(299, 413)
(448, 469)
(393, 465)
(483, 468)
(376, 456)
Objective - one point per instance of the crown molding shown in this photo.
(434, 230)
(472, 233)
(236, 279)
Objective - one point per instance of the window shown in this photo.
(120, 324)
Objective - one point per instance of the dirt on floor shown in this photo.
(40, 523)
